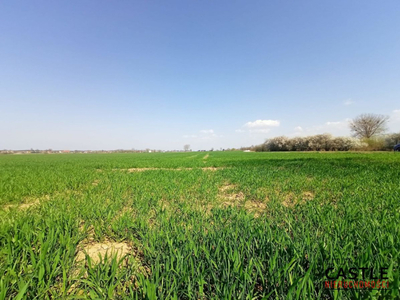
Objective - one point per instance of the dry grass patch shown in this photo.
(229, 198)
(236, 197)
(165, 204)
(206, 156)
(256, 207)
(289, 200)
(88, 230)
(125, 210)
(226, 187)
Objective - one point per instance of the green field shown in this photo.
(214, 225)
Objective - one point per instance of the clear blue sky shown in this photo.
(161, 74)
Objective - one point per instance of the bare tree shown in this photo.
(368, 125)
(186, 147)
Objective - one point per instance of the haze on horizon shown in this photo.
(162, 74)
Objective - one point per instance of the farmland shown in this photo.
(214, 225)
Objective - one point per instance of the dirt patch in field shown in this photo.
(256, 207)
(98, 251)
(289, 200)
(206, 156)
(36, 200)
(307, 196)
(228, 197)
(32, 201)
(130, 256)
(143, 169)
(27, 205)
(22, 206)
(226, 187)
(234, 197)
(212, 168)
(140, 169)
(131, 170)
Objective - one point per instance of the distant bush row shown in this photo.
(326, 142)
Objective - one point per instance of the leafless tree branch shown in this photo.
(368, 125)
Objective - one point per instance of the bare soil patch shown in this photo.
(206, 156)
(35, 200)
(289, 200)
(97, 251)
(130, 170)
(226, 187)
(27, 205)
(228, 197)
(212, 168)
(120, 250)
(20, 206)
(24, 206)
(143, 169)
(308, 196)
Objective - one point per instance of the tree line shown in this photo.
(368, 133)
